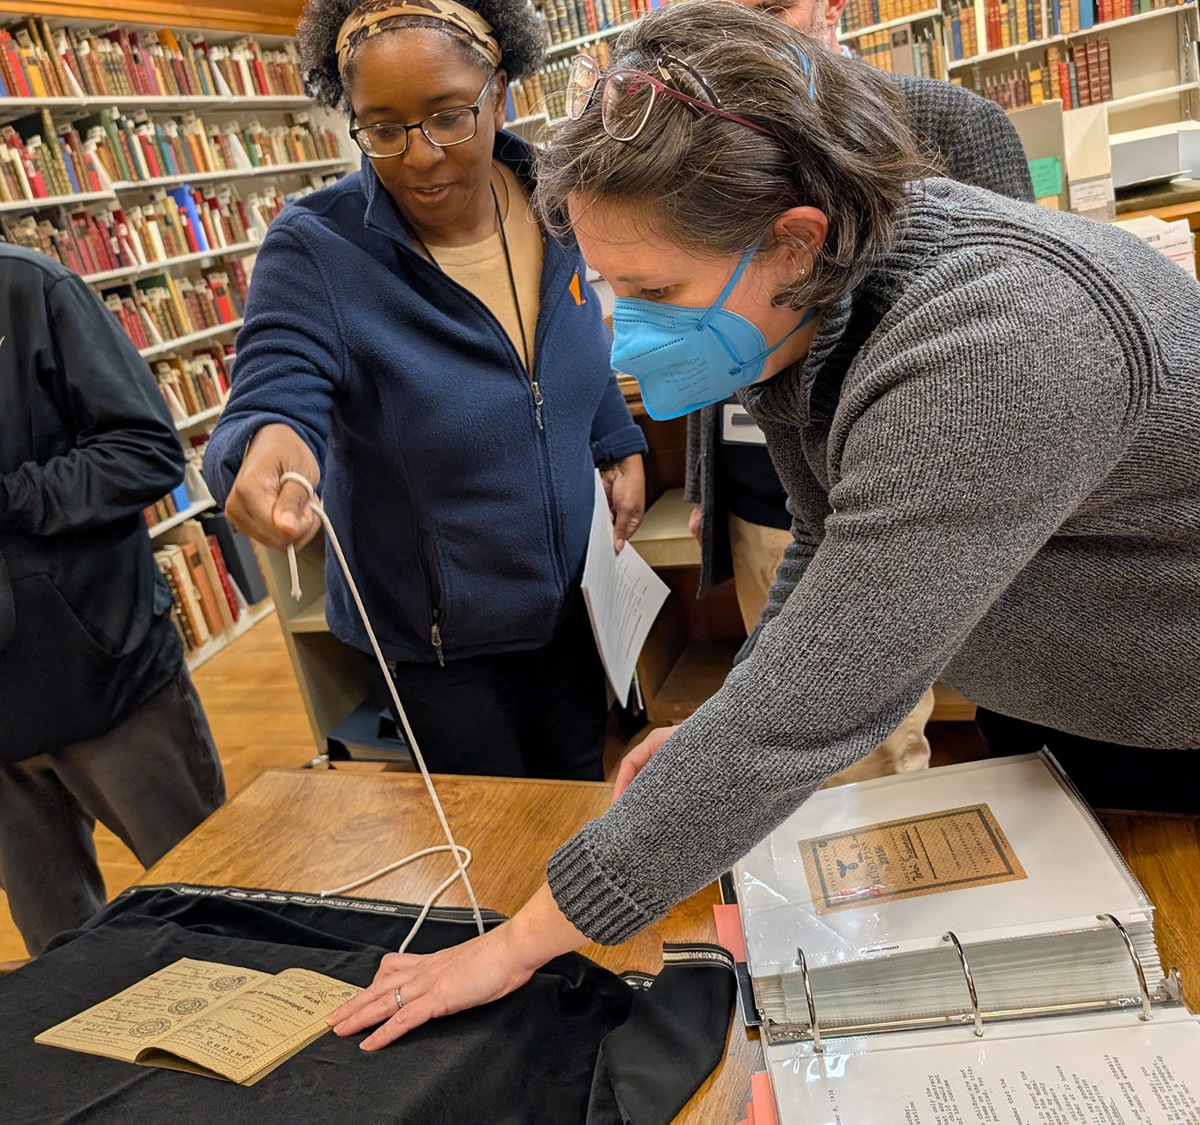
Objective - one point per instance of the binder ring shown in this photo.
(951, 937)
(812, 1007)
(1141, 973)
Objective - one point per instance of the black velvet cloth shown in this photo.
(577, 1045)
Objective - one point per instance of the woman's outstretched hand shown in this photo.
(464, 976)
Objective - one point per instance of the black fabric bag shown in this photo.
(8, 614)
(577, 1045)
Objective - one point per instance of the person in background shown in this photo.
(739, 516)
(988, 408)
(98, 716)
(416, 344)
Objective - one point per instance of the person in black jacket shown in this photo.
(98, 717)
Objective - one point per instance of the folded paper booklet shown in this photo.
(206, 1018)
(974, 922)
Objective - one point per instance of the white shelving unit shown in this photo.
(56, 201)
(209, 415)
(558, 49)
(172, 263)
(181, 517)
(191, 338)
(229, 174)
(1069, 37)
(899, 21)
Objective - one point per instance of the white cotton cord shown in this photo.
(331, 535)
(458, 849)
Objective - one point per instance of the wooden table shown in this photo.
(309, 830)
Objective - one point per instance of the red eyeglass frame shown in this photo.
(598, 79)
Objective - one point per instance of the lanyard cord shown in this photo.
(315, 504)
(512, 281)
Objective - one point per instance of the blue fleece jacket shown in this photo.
(458, 501)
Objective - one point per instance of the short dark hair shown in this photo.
(514, 25)
(837, 141)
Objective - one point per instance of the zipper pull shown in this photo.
(436, 636)
(537, 403)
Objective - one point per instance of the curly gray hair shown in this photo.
(837, 142)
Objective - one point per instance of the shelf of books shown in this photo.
(575, 23)
(1023, 52)
(572, 26)
(152, 161)
(217, 586)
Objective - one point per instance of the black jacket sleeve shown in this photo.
(126, 451)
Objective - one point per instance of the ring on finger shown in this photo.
(399, 998)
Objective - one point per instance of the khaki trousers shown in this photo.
(757, 551)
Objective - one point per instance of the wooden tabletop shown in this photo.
(308, 831)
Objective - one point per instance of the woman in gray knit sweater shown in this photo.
(986, 416)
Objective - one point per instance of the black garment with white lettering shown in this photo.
(577, 1045)
(749, 484)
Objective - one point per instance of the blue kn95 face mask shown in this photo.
(684, 358)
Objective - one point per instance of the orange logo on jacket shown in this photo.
(577, 291)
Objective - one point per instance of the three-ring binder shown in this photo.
(1167, 991)
(1137, 964)
(966, 968)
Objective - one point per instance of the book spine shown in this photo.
(223, 574)
(1105, 71)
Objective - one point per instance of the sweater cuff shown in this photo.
(591, 901)
(618, 445)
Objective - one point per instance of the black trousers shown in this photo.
(1108, 775)
(541, 713)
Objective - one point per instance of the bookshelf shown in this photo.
(194, 420)
(158, 265)
(190, 338)
(137, 124)
(181, 517)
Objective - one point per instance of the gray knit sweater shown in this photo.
(992, 454)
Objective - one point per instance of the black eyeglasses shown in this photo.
(444, 129)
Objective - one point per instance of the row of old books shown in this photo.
(573, 19)
(213, 577)
(1081, 76)
(904, 50)
(1010, 23)
(39, 159)
(176, 223)
(1078, 77)
(545, 90)
(193, 385)
(157, 309)
(962, 34)
(38, 61)
(189, 492)
(865, 13)
(37, 162)
(137, 147)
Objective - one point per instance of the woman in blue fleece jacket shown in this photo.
(416, 344)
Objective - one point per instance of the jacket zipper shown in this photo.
(537, 402)
(435, 596)
(535, 391)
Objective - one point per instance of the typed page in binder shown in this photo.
(623, 597)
